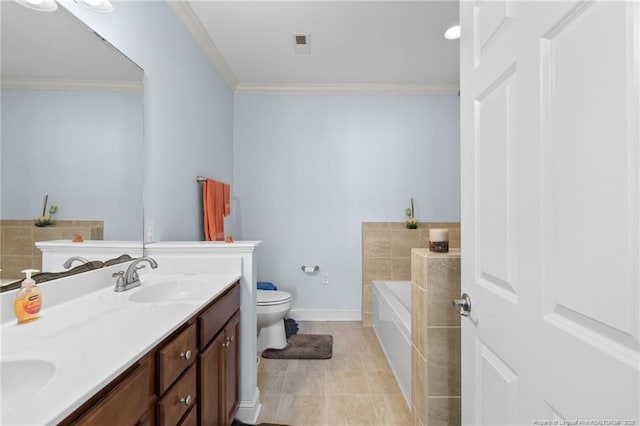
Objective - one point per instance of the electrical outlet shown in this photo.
(325, 280)
(150, 231)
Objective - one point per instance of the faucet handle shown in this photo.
(120, 280)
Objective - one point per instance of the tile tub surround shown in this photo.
(386, 253)
(435, 338)
(18, 241)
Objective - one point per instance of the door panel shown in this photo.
(550, 157)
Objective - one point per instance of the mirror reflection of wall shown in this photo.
(72, 128)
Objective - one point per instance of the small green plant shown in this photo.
(412, 223)
(43, 220)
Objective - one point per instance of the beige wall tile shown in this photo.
(376, 248)
(18, 241)
(366, 294)
(401, 268)
(402, 241)
(48, 233)
(444, 361)
(366, 319)
(381, 261)
(12, 265)
(28, 235)
(375, 226)
(418, 318)
(444, 412)
(377, 268)
(419, 382)
(418, 262)
(443, 285)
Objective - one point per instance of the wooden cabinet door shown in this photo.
(232, 353)
(126, 404)
(212, 381)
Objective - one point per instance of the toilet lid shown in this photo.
(270, 297)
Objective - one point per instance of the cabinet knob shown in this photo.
(186, 401)
(186, 355)
(231, 339)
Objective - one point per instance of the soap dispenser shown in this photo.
(28, 299)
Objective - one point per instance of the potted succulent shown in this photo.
(43, 220)
(412, 223)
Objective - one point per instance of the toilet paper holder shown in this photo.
(310, 269)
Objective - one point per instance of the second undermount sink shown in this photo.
(21, 379)
(171, 291)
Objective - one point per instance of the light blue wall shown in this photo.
(188, 111)
(82, 148)
(308, 169)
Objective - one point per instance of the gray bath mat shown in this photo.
(304, 346)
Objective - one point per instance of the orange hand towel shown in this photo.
(216, 204)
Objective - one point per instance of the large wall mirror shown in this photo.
(72, 129)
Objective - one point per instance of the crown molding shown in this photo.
(185, 14)
(95, 85)
(352, 89)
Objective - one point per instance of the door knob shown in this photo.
(463, 305)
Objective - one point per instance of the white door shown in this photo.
(550, 112)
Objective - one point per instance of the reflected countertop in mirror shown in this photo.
(72, 128)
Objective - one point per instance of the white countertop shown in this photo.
(92, 339)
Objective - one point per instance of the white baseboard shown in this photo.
(324, 315)
(248, 411)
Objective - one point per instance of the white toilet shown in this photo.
(271, 308)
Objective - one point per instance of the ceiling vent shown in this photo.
(302, 44)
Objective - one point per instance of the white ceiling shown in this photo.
(57, 46)
(373, 44)
(361, 46)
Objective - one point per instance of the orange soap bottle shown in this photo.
(28, 299)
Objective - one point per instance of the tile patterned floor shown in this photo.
(355, 387)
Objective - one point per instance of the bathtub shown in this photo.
(391, 320)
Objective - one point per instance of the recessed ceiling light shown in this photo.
(452, 33)
(40, 5)
(103, 6)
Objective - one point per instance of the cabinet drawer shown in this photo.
(175, 357)
(213, 319)
(123, 405)
(178, 399)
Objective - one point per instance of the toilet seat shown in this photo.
(269, 297)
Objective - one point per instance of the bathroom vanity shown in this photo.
(162, 353)
(190, 375)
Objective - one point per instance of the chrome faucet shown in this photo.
(130, 279)
(67, 264)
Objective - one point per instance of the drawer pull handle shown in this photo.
(186, 355)
(186, 401)
(231, 339)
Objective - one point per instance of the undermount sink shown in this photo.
(178, 290)
(21, 379)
